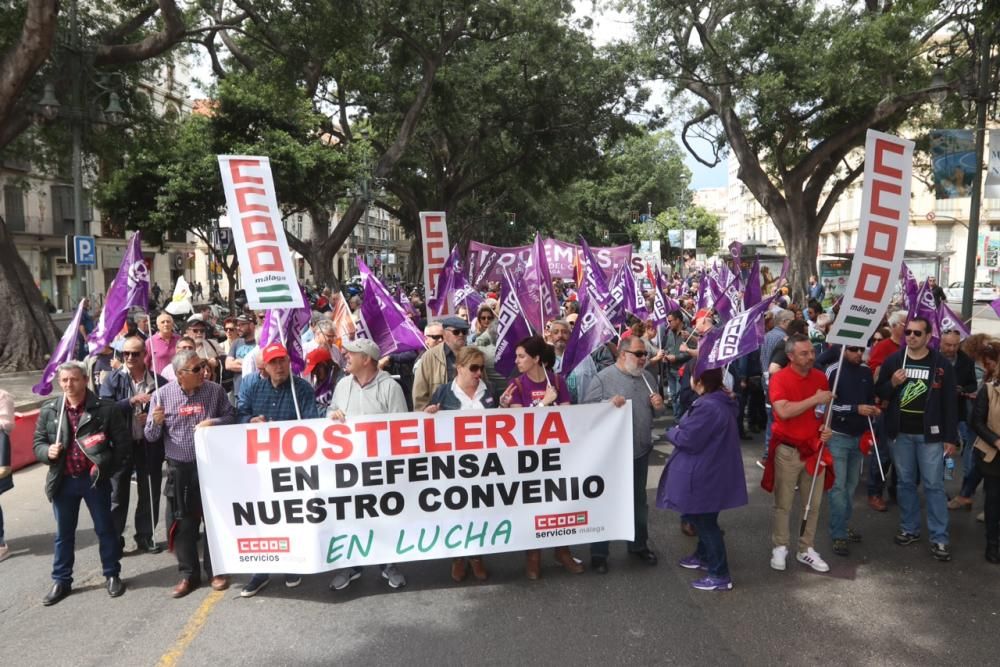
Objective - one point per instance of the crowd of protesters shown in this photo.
(135, 406)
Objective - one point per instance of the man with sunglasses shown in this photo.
(853, 406)
(176, 410)
(437, 366)
(919, 386)
(132, 387)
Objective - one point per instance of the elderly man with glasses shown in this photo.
(176, 410)
(437, 366)
(132, 387)
(918, 384)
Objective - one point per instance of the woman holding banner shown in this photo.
(704, 476)
(538, 386)
(466, 392)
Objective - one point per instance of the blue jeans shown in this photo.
(711, 546)
(914, 457)
(66, 507)
(767, 429)
(674, 386)
(847, 461)
(971, 477)
(640, 473)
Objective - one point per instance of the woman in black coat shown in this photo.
(986, 425)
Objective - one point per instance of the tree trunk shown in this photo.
(801, 247)
(27, 335)
(415, 267)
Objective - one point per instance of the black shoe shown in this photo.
(147, 545)
(903, 538)
(646, 555)
(58, 592)
(115, 586)
(853, 536)
(840, 548)
(993, 553)
(599, 565)
(941, 551)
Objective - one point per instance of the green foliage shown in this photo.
(686, 217)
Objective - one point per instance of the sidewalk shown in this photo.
(19, 385)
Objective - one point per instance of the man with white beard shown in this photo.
(628, 380)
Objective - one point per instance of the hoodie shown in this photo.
(382, 395)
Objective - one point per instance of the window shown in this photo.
(13, 202)
(63, 210)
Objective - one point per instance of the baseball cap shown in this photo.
(243, 319)
(274, 351)
(364, 346)
(454, 322)
(320, 355)
(196, 319)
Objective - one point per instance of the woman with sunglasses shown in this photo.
(538, 386)
(466, 392)
(484, 318)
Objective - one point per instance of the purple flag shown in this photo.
(404, 301)
(705, 299)
(130, 288)
(995, 305)
(910, 287)
(615, 308)
(64, 352)
(752, 294)
(286, 326)
(635, 301)
(781, 278)
(660, 301)
(593, 329)
(383, 320)
(454, 286)
(540, 303)
(924, 306)
(741, 335)
(736, 251)
(512, 327)
(949, 321)
(593, 276)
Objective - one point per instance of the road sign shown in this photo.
(225, 239)
(85, 250)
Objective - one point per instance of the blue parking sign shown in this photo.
(85, 250)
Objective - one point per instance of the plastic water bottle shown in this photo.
(949, 467)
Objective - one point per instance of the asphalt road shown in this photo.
(884, 605)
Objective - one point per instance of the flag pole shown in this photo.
(819, 454)
(977, 313)
(291, 373)
(878, 458)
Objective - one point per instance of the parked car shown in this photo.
(983, 291)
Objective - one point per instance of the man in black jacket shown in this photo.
(919, 385)
(84, 441)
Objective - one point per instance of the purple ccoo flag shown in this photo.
(453, 284)
(593, 329)
(949, 321)
(741, 335)
(130, 288)
(752, 294)
(64, 352)
(925, 306)
(660, 301)
(540, 303)
(286, 326)
(593, 276)
(512, 327)
(635, 301)
(383, 320)
(910, 287)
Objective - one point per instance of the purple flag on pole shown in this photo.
(635, 301)
(949, 321)
(615, 308)
(593, 329)
(286, 326)
(752, 294)
(404, 301)
(512, 327)
(454, 285)
(130, 288)
(383, 320)
(540, 303)
(910, 287)
(925, 306)
(995, 305)
(660, 307)
(64, 352)
(741, 335)
(593, 276)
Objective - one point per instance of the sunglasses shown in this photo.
(228, 329)
(457, 332)
(197, 369)
(637, 354)
(435, 336)
(877, 339)
(486, 317)
(914, 332)
(855, 349)
(126, 353)
(475, 368)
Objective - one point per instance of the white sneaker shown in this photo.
(812, 559)
(779, 557)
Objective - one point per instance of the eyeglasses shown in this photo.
(457, 332)
(228, 329)
(435, 336)
(487, 317)
(197, 369)
(641, 355)
(855, 349)
(475, 368)
(128, 353)
(914, 332)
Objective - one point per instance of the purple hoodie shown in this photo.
(705, 472)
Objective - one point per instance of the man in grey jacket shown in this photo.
(628, 380)
(366, 391)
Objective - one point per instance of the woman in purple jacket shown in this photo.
(704, 475)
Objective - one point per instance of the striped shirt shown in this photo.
(263, 399)
(185, 411)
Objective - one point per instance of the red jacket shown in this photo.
(808, 452)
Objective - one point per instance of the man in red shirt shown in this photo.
(796, 391)
(882, 351)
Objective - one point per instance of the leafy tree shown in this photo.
(791, 88)
(705, 223)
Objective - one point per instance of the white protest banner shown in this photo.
(690, 239)
(266, 268)
(885, 214)
(434, 236)
(310, 496)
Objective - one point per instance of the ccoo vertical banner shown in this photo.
(434, 236)
(885, 214)
(258, 233)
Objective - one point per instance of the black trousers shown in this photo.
(184, 518)
(991, 485)
(147, 463)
